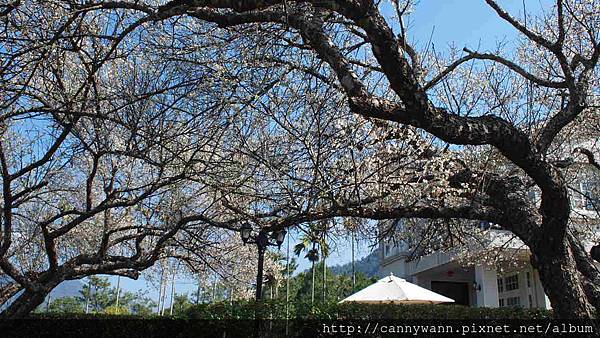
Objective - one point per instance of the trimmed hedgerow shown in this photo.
(236, 320)
(333, 311)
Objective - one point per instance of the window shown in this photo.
(513, 301)
(509, 301)
(511, 282)
(528, 279)
(530, 302)
(500, 285)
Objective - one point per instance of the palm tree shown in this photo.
(350, 225)
(324, 254)
(312, 255)
(315, 239)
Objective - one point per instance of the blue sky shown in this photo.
(467, 23)
(464, 23)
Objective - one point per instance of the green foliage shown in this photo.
(142, 308)
(211, 320)
(102, 299)
(66, 305)
(276, 309)
(139, 304)
(418, 311)
(338, 287)
(181, 304)
(116, 310)
(130, 326)
(313, 241)
(98, 293)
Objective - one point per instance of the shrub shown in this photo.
(235, 319)
(276, 309)
(117, 310)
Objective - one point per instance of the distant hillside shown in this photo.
(69, 288)
(369, 265)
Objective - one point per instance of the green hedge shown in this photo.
(112, 326)
(236, 320)
(325, 311)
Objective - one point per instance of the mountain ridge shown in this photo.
(369, 265)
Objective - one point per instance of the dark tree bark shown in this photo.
(24, 305)
(562, 282)
(28, 301)
(8, 291)
(595, 253)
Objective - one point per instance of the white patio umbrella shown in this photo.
(394, 290)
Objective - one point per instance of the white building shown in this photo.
(481, 284)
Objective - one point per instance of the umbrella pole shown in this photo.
(353, 268)
(287, 287)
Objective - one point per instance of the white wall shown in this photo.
(486, 278)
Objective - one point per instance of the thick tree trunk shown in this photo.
(25, 303)
(8, 291)
(590, 273)
(562, 282)
(592, 292)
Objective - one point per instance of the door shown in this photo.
(459, 291)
